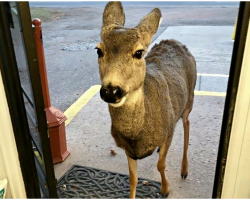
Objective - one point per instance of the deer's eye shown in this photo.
(99, 52)
(138, 54)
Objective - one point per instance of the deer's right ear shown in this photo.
(113, 14)
(149, 24)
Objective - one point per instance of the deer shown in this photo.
(146, 94)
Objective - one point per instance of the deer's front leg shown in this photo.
(132, 176)
(161, 165)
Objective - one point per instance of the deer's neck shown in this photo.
(128, 119)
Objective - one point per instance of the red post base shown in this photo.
(56, 120)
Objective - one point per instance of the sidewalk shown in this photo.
(212, 49)
(90, 142)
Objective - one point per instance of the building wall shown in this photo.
(9, 161)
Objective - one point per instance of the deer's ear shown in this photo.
(149, 24)
(113, 14)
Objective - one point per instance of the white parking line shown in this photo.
(217, 75)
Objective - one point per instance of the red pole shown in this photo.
(41, 61)
(56, 119)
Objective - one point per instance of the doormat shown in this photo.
(90, 183)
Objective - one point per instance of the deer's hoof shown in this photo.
(165, 192)
(184, 169)
(184, 176)
(165, 195)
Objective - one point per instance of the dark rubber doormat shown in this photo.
(91, 183)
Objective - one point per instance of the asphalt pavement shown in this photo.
(69, 44)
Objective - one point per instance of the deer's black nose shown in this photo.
(111, 94)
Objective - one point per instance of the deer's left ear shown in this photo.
(150, 23)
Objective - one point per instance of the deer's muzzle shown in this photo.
(112, 94)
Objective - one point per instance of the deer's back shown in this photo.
(171, 70)
(169, 83)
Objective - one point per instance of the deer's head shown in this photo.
(121, 53)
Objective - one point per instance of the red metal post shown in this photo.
(56, 119)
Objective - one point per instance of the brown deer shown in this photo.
(146, 96)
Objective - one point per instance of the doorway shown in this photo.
(99, 156)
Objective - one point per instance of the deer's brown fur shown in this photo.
(159, 89)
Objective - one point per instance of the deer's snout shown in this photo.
(112, 94)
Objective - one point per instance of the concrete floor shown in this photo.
(90, 142)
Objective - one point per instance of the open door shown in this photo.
(232, 91)
(20, 72)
